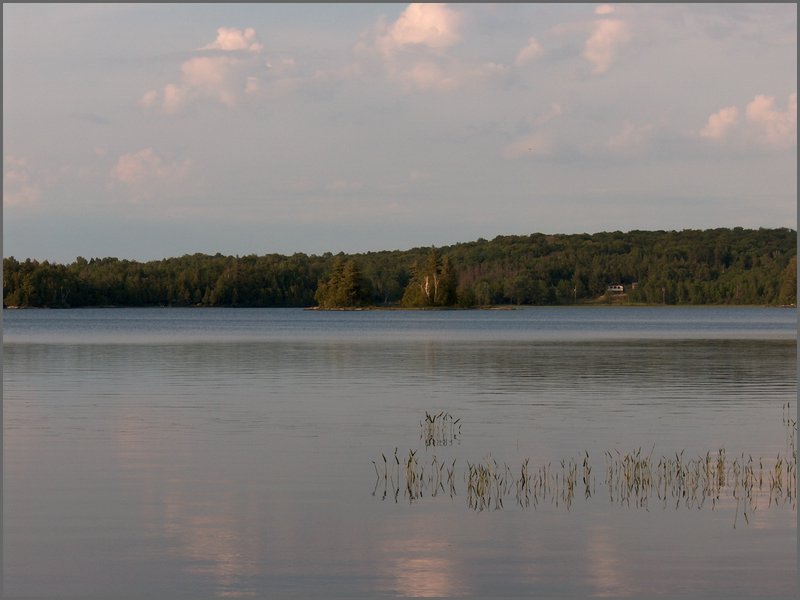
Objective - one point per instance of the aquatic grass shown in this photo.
(412, 478)
(440, 429)
(632, 478)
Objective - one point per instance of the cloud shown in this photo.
(145, 167)
(773, 127)
(604, 9)
(429, 25)
(225, 79)
(216, 77)
(720, 123)
(529, 53)
(764, 125)
(602, 46)
(230, 40)
(19, 187)
(174, 97)
(415, 51)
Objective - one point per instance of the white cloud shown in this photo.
(603, 45)
(217, 77)
(529, 53)
(225, 79)
(415, 51)
(604, 9)
(773, 127)
(145, 167)
(764, 124)
(19, 186)
(720, 123)
(429, 25)
(229, 39)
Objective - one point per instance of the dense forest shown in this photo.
(717, 266)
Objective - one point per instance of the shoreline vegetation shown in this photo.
(638, 268)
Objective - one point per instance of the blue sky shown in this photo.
(155, 130)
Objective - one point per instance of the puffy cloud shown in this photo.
(413, 51)
(19, 187)
(772, 126)
(429, 25)
(146, 167)
(764, 124)
(174, 97)
(216, 77)
(229, 39)
(720, 123)
(225, 79)
(604, 9)
(530, 52)
(602, 46)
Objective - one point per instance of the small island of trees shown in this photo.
(344, 288)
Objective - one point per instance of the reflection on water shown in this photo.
(235, 464)
(419, 566)
(608, 574)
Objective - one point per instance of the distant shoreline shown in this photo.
(411, 308)
(715, 267)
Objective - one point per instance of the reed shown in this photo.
(440, 429)
(632, 479)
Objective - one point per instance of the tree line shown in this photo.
(715, 266)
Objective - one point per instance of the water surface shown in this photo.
(227, 452)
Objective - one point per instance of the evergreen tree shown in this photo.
(344, 288)
(433, 283)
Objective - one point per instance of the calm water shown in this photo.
(228, 453)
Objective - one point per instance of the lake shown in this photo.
(207, 453)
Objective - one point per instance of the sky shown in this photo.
(145, 131)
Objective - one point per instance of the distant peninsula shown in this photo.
(713, 266)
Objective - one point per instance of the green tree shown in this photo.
(433, 282)
(788, 290)
(344, 287)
